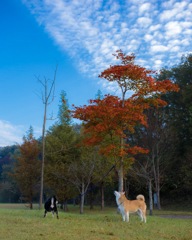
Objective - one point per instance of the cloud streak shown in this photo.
(10, 134)
(159, 32)
(13, 134)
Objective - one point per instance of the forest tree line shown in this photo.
(78, 172)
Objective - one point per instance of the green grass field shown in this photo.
(19, 223)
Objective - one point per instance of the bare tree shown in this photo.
(47, 96)
(142, 168)
(81, 172)
(159, 138)
(161, 143)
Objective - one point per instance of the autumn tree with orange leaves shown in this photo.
(108, 121)
(27, 167)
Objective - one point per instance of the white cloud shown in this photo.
(9, 133)
(186, 24)
(144, 7)
(155, 27)
(159, 48)
(168, 14)
(188, 32)
(148, 37)
(158, 63)
(13, 134)
(173, 28)
(144, 21)
(174, 49)
(180, 5)
(90, 32)
(168, 4)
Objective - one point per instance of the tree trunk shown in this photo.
(65, 207)
(156, 178)
(158, 199)
(120, 171)
(48, 93)
(158, 185)
(150, 198)
(91, 196)
(31, 204)
(102, 196)
(120, 176)
(126, 187)
(43, 157)
(82, 198)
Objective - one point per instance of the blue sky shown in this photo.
(80, 36)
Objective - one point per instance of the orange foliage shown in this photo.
(133, 77)
(111, 116)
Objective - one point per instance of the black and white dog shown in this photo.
(51, 206)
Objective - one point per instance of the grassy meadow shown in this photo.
(20, 223)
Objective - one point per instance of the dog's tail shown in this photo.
(140, 197)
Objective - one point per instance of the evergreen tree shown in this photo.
(64, 113)
(8, 190)
(61, 144)
(99, 95)
(179, 111)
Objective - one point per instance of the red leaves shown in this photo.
(125, 59)
(109, 114)
(122, 151)
(106, 120)
(130, 76)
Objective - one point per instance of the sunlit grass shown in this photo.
(20, 223)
